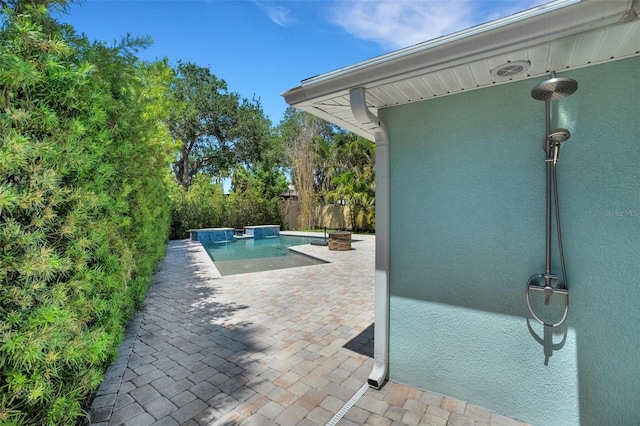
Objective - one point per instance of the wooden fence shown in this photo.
(331, 216)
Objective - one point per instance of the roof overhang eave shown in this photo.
(539, 25)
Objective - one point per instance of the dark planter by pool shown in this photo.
(340, 241)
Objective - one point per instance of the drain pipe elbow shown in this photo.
(361, 112)
(358, 101)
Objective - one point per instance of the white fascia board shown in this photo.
(299, 98)
(343, 124)
(542, 24)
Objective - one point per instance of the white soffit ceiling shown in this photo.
(327, 96)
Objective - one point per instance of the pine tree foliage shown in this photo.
(83, 207)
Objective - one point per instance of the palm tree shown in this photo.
(353, 178)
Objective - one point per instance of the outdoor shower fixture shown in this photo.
(549, 90)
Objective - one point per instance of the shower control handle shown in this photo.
(548, 291)
(532, 285)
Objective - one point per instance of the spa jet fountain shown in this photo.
(549, 90)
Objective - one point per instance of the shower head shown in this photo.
(554, 89)
(557, 136)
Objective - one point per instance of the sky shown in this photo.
(262, 48)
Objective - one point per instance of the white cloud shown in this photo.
(276, 12)
(400, 23)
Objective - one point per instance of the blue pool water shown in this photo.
(254, 255)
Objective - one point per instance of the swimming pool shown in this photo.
(242, 256)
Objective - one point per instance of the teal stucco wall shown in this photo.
(467, 230)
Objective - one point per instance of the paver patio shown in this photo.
(283, 347)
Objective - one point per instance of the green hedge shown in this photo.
(253, 201)
(202, 206)
(84, 214)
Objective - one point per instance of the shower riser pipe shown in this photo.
(548, 164)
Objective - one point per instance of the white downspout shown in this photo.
(379, 373)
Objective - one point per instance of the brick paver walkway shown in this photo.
(284, 347)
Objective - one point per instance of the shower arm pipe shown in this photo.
(358, 102)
